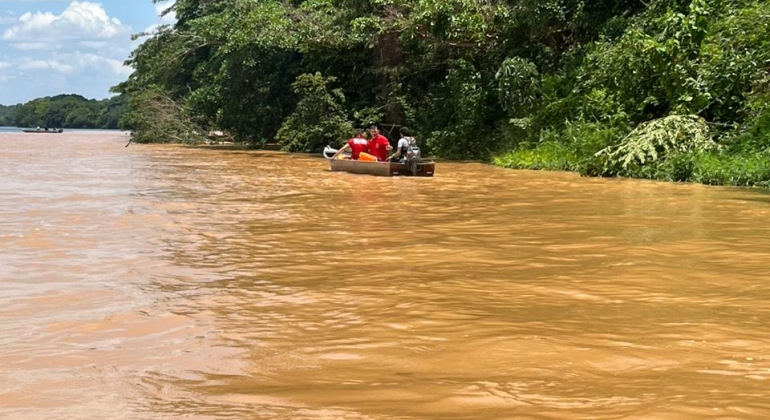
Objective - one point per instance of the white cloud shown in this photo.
(94, 44)
(6, 17)
(47, 65)
(80, 22)
(72, 63)
(29, 46)
(168, 18)
(97, 62)
(163, 19)
(68, 46)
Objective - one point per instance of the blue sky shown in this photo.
(63, 46)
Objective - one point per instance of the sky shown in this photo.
(54, 47)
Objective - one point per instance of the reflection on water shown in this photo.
(155, 282)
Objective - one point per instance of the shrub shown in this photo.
(318, 119)
(159, 119)
(460, 115)
(655, 140)
(551, 156)
(750, 169)
(518, 84)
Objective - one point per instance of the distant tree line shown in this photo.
(66, 111)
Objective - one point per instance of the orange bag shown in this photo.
(366, 157)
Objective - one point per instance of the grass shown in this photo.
(746, 169)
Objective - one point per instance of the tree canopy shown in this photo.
(472, 78)
(65, 111)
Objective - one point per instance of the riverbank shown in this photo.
(678, 148)
(714, 168)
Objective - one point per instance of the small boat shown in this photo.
(423, 168)
(419, 168)
(39, 131)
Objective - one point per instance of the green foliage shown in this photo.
(156, 118)
(460, 110)
(712, 168)
(7, 115)
(587, 138)
(572, 147)
(742, 169)
(319, 118)
(410, 63)
(701, 60)
(653, 141)
(231, 64)
(518, 84)
(551, 156)
(754, 136)
(653, 67)
(557, 83)
(366, 117)
(65, 111)
(453, 23)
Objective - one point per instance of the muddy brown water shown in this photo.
(157, 282)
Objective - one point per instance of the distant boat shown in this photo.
(41, 131)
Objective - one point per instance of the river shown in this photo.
(155, 282)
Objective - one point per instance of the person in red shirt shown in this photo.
(379, 146)
(356, 145)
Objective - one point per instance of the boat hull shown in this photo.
(425, 168)
(43, 131)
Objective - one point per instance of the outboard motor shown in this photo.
(412, 156)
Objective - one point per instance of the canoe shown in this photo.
(330, 151)
(42, 131)
(423, 168)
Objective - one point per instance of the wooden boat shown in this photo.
(422, 168)
(37, 131)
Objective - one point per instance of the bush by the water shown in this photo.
(690, 79)
(318, 119)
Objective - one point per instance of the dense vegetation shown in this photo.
(665, 89)
(65, 111)
(6, 115)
